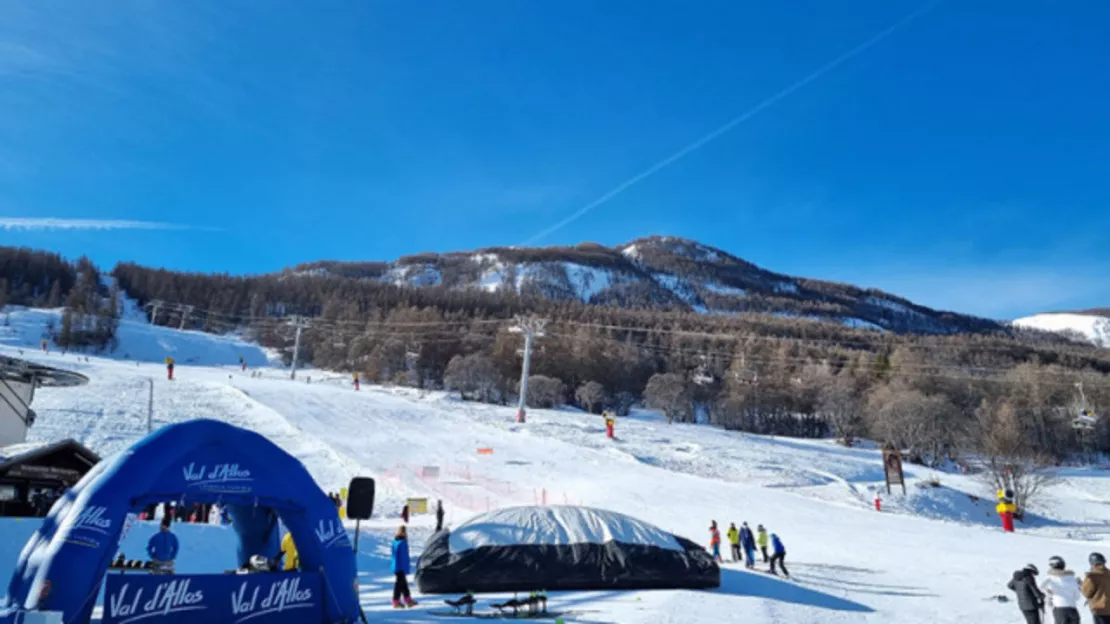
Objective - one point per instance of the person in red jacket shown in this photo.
(715, 541)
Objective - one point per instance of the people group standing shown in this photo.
(743, 542)
(1062, 591)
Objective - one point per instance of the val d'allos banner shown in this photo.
(276, 598)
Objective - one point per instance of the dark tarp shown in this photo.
(584, 566)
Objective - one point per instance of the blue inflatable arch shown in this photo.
(201, 461)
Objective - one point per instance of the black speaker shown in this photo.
(360, 498)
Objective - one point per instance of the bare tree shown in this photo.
(841, 407)
(545, 392)
(590, 395)
(668, 393)
(474, 377)
(1009, 460)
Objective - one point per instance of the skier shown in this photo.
(715, 541)
(439, 516)
(169, 368)
(44, 346)
(1096, 589)
(1006, 509)
(1030, 598)
(405, 513)
(748, 541)
(356, 381)
(778, 554)
(761, 539)
(399, 565)
(1062, 588)
(242, 363)
(734, 541)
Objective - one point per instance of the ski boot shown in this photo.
(397, 604)
(410, 603)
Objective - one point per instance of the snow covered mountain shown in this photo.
(1094, 328)
(848, 561)
(655, 272)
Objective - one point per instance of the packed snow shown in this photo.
(932, 555)
(1095, 329)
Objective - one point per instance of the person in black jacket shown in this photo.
(1030, 597)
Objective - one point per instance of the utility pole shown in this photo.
(185, 316)
(300, 323)
(150, 406)
(531, 327)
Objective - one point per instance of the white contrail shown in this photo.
(51, 223)
(735, 121)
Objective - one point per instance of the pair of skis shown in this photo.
(532, 607)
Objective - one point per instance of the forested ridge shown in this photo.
(936, 396)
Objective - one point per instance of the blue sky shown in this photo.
(963, 161)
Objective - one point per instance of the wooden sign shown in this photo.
(892, 467)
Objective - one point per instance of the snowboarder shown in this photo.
(761, 539)
(734, 541)
(399, 565)
(162, 548)
(439, 516)
(169, 368)
(1062, 588)
(1030, 598)
(747, 540)
(1096, 589)
(778, 554)
(715, 541)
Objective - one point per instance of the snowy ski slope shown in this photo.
(935, 555)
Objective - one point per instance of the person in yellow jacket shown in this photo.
(761, 539)
(289, 549)
(734, 541)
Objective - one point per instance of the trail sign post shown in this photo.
(892, 467)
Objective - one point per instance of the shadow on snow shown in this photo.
(762, 585)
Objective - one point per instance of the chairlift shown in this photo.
(1086, 419)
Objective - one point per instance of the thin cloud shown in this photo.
(50, 223)
(736, 121)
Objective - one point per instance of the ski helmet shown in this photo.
(1032, 568)
(1096, 559)
(1056, 563)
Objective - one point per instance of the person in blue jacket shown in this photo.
(162, 548)
(778, 554)
(747, 540)
(399, 565)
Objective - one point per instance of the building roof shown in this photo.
(16, 370)
(16, 454)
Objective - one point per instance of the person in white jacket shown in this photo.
(1062, 588)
